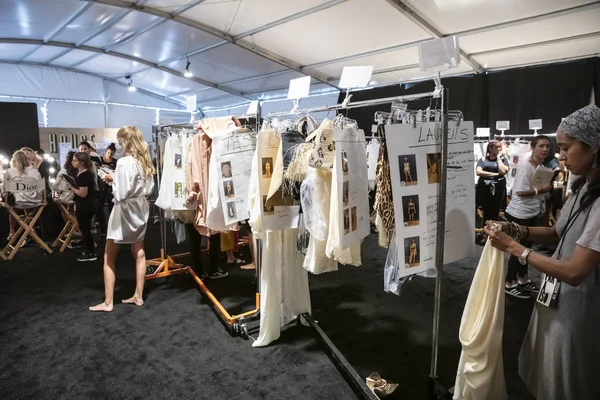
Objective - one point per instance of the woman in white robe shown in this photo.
(131, 183)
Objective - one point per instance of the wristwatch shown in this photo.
(523, 258)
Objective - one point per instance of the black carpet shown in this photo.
(174, 346)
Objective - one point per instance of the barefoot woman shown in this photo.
(132, 182)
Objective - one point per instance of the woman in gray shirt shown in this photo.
(560, 357)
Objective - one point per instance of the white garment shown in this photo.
(25, 199)
(215, 219)
(524, 207)
(283, 282)
(129, 217)
(61, 189)
(480, 373)
(172, 193)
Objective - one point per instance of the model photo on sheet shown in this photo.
(410, 208)
(408, 169)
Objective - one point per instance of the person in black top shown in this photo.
(491, 186)
(105, 191)
(85, 202)
(89, 147)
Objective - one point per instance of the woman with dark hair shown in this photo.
(491, 186)
(560, 357)
(524, 208)
(85, 202)
(60, 187)
(105, 196)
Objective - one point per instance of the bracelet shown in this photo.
(535, 191)
(519, 233)
(527, 236)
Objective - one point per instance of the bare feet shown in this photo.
(102, 307)
(134, 300)
(248, 266)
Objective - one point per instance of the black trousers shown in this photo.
(490, 203)
(214, 252)
(84, 220)
(515, 268)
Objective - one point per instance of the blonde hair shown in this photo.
(132, 141)
(20, 161)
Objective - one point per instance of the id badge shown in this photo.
(548, 294)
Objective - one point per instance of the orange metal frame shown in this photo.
(168, 267)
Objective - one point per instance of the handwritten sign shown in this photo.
(415, 162)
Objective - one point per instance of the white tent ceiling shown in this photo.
(249, 49)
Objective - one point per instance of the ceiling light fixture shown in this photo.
(188, 73)
(130, 86)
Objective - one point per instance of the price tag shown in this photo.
(356, 77)
(502, 125)
(535, 124)
(482, 132)
(299, 88)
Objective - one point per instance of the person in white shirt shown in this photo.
(524, 208)
(21, 170)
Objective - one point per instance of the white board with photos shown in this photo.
(279, 210)
(179, 146)
(235, 168)
(353, 185)
(414, 154)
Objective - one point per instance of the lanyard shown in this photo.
(570, 221)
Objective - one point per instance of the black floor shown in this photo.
(51, 347)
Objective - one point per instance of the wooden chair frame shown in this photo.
(26, 221)
(69, 230)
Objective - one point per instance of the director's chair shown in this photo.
(70, 229)
(27, 218)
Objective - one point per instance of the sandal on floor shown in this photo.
(237, 261)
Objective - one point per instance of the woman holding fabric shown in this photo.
(524, 208)
(132, 182)
(491, 186)
(560, 357)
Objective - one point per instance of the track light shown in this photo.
(188, 73)
(130, 86)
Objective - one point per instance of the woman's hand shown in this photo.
(498, 235)
(108, 178)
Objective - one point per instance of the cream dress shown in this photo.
(129, 217)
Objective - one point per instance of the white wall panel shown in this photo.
(173, 117)
(142, 118)
(48, 83)
(75, 115)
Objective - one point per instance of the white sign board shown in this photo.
(356, 77)
(502, 125)
(535, 124)
(353, 185)
(414, 154)
(252, 108)
(372, 156)
(439, 54)
(235, 168)
(483, 132)
(299, 88)
(278, 209)
(179, 146)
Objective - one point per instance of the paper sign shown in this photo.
(502, 125)
(191, 103)
(299, 88)
(356, 77)
(279, 210)
(483, 132)
(178, 146)
(252, 108)
(535, 124)
(372, 158)
(235, 168)
(439, 54)
(352, 185)
(415, 163)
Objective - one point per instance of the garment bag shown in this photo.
(480, 373)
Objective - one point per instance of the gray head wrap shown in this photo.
(583, 125)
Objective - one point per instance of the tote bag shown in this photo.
(480, 373)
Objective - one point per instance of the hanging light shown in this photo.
(130, 86)
(52, 170)
(188, 73)
(51, 159)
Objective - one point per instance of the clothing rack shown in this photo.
(436, 390)
(236, 325)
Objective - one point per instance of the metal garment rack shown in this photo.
(357, 383)
(236, 325)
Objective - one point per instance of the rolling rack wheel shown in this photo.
(233, 329)
(244, 331)
(150, 269)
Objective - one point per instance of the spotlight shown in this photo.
(188, 73)
(5, 161)
(52, 170)
(52, 180)
(46, 156)
(556, 155)
(130, 86)
(51, 159)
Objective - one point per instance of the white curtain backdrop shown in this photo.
(75, 115)
(142, 118)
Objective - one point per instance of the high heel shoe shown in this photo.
(379, 386)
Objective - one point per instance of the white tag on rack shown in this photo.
(482, 132)
(374, 128)
(299, 88)
(252, 108)
(439, 54)
(191, 103)
(503, 125)
(535, 124)
(356, 77)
